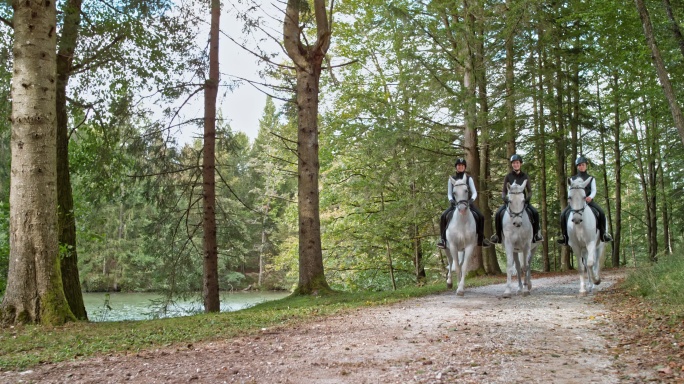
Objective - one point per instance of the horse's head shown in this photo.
(516, 202)
(460, 192)
(577, 198)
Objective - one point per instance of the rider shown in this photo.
(472, 192)
(516, 175)
(581, 164)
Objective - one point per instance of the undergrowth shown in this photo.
(661, 285)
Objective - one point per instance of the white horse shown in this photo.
(583, 236)
(461, 235)
(517, 240)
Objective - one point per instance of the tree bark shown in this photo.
(659, 64)
(540, 127)
(210, 285)
(617, 239)
(34, 286)
(308, 60)
(65, 199)
(676, 31)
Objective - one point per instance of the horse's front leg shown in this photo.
(524, 272)
(450, 262)
(593, 264)
(581, 267)
(510, 268)
(460, 291)
(516, 260)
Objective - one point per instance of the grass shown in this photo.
(661, 285)
(24, 346)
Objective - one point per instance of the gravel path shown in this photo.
(551, 336)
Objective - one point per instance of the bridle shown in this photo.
(464, 202)
(577, 211)
(508, 207)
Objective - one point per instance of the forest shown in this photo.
(400, 90)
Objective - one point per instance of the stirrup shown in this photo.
(494, 239)
(486, 243)
(561, 240)
(606, 238)
(441, 244)
(537, 238)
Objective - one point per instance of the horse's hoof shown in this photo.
(597, 282)
(583, 294)
(506, 295)
(450, 285)
(525, 293)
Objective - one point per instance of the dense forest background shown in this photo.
(407, 87)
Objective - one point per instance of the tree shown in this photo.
(65, 207)
(211, 288)
(308, 60)
(34, 288)
(663, 76)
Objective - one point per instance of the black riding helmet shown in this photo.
(461, 160)
(516, 157)
(581, 160)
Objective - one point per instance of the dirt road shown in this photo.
(552, 336)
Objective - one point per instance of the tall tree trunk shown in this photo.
(211, 287)
(308, 60)
(264, 241)
(558, 127)
(34, 292)
(617, 128)
(604, 162)
(676, 31)
(418, 264)
(491, 263)
(659, 64)
(470, 114)
(509, 120)
(645, 189)
(65, 199)
(664, 199)
(540, 129)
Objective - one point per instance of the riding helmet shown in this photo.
(581, 160)
(461, 160)
(516, 157)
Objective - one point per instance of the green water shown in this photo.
(145, 306)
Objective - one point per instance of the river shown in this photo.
(144, 306)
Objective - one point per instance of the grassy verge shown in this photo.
(659, 285)
(24, 346)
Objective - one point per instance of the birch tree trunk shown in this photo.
(34, 286)
(308, 59)
(210, 285)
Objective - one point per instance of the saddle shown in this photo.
(595, 212)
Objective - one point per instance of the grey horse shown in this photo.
(517, 240)
(583, 236)
(461, 235)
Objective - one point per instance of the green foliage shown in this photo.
(661, 283)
